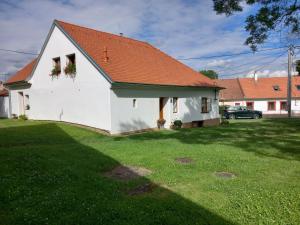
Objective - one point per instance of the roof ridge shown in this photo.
(104, 32)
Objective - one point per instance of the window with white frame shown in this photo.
(175, 104)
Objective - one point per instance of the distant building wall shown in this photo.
(4, 106)
(262, 105)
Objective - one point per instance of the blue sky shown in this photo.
(181, 28)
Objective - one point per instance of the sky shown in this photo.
(182, 28)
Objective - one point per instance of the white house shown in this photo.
(4, 101)
(120, 84)
(268, 94)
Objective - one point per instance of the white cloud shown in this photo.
(268, 73)
(219, 62)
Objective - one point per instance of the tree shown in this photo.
(271, 15)
(209, 73)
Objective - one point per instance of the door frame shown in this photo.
(161, 107)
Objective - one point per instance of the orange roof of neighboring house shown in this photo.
(232, 89)
(263, 88)
(22, 74)
(130, 61)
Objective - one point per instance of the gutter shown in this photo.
(120, 85)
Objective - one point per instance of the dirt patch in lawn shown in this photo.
(127, 172)
(142, 189)
(226, 175)
(184, 160)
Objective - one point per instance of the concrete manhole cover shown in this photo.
(226, 175)
(142, 189)
(127, 172)
(184, 160)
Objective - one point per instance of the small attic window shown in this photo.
(71, 65)
(71, 59)
(298, 87)
(56, 66)
(276, 88)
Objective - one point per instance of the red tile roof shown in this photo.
(263, 88)
(130, 61)
(232, 89)
(22, 74)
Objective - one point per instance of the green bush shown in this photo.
(55, 71)
(23, 117)
(70, 69)
(224, 122)
(177, 124)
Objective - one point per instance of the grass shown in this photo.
(52, 173)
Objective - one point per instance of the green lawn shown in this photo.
(52, 173)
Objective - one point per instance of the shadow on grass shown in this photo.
(47, 177)
(269, 137)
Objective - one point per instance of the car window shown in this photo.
(231, 108)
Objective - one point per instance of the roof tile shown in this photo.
(22, 74)
(132, 61)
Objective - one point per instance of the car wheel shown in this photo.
(256, 116)
(231, 116)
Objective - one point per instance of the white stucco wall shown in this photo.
(15, 108)
(127, 118)
(4, 106)
(262, 105)
(84, 99)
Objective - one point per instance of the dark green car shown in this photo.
(234, 112)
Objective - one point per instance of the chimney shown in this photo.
(255, 76)
(121, 34)
(105, 54)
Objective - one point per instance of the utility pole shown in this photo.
(289, 85)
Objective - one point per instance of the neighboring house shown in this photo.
(268, 95)
(120, 84)
(4, 101)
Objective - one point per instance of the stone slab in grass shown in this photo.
(184, 160)
(225, 175)
(142, 189)
(127, 172)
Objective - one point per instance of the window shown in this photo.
(271, 106)
(237, 104)
(71, 59)
(134, 104)
(175, 105)
(205, 105)
(283, 105)
(298, 87)
(71, 65)
(56, 66)
(276, 88)
(250, 105)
